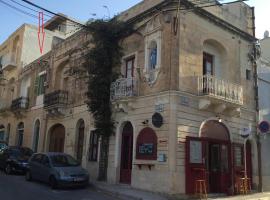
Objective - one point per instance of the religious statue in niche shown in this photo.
(153, 56)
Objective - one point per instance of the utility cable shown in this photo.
(48, 11)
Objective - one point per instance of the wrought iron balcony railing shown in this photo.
(218, 88)
(20, 103)
(56, 99)
(124, 87)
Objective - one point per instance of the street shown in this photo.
(15, 187)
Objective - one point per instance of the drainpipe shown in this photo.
(258, 142)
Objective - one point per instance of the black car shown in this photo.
(15, 159)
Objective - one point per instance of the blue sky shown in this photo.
(11, 19)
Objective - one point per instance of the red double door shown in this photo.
(210, 160)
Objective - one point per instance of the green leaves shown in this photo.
(102, 62)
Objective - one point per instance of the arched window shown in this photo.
(153, 55)
(36, 135)
(2, 132)
(146, 147)
(20, 132)
(80, 139)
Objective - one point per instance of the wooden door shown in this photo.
(249, 160)
(208, 68)
(195, 162)
(130, 67)
(126, 154)
(57, 139)
(80, 142)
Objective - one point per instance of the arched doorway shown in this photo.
(80, 140)
(209, 158)
(36, 135)
(20, 132)
(126, 154)
(57, 138)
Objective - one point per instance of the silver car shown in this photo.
(57, 169)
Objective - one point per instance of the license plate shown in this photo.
(78, 179)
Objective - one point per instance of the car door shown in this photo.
(45, 168)
(35, 166)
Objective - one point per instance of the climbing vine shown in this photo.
(103, 63)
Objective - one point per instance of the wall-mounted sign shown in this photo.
(146, 149)
(157, 120)
(264, 126)
(159, 107)
(184, 101)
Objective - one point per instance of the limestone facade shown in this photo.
(168, 78)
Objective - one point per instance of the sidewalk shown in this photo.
(126, 192)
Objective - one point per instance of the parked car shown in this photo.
(3, 145)
(57, 169)
(15, 159)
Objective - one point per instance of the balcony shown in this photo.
(55, 100)
(9, 62)
(4, 106)
(123, 88)
(220, 93)
(19, 104)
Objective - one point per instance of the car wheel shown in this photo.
(53, 182)
(28, 176)
(8, 169)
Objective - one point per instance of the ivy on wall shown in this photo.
(103, 63)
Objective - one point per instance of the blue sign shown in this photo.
(264, 126)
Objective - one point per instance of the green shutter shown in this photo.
(37, 86)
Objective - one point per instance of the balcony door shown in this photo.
(208, 64)
(129, 75)
(130, 67)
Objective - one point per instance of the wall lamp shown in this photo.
(145, 122)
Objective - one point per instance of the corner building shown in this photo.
(180, 106)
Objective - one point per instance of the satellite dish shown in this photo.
(266, 34)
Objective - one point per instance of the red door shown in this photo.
(210, 160)
(249, 160)
(126, 154)
(195, 162)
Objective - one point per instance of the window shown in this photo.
(93, 146)
(20, 132)
(146, 148)
(39, 84)
(248, 74)
(208, 64)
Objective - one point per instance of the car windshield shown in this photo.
(22, 153)
(63, 161)
(3, 145)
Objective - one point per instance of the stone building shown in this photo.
(179, 108)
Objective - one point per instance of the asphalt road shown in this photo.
(14, 187)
